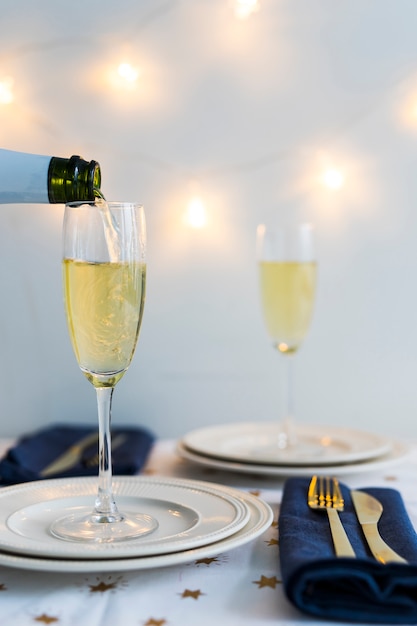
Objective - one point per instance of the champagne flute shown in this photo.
(104, 274)
(287, 277)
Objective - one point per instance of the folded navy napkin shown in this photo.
(35, 451)
(357, 590)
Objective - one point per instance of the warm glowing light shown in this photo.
(333, 179)
(245, 8)
(6, 91)
(129, 73)
(340, 185)
(408, 112)
(196, 215)
(124, 77)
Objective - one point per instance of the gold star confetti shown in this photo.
(101, 587)
(101, 584)
(255, 493)
(191, 594)
(207, 561)
(272, 542)
(390, 479)
(155, 622)
(274, 524)
(267, 582)
(3, 587)
(46, 619)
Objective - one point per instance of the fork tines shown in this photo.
(324, 491)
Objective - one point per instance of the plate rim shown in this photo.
(260, 519)
(86, 486)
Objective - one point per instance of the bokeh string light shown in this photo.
(6, 90)
(123, 77)
(126, 75)
(245, 8)
(196, 213)
(333, 179)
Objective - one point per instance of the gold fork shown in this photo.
(324, 494)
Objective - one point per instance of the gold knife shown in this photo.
(369, 510)
(93, 460)
(70, 457)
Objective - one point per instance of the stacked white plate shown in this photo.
(196, 520)
(254, 448)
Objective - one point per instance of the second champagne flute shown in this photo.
(287, 277)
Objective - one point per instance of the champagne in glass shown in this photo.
(287, 277)
(104, 274)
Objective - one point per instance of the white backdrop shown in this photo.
(248, 115)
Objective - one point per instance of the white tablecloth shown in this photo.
(235, 588)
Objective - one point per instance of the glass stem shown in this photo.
(105, 509)
(287, 436)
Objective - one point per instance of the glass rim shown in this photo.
(276, 225)
(114, 204)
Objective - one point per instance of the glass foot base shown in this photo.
(297, 449)
(95, 528)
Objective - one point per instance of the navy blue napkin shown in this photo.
(357, 590)
(34, 451)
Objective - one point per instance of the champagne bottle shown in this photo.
(33, 178)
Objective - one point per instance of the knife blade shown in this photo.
(92, 460)
(70, 457)
(369, 510)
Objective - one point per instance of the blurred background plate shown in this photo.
(257, 442)
(399, 452)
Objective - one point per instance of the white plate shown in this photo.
(190, 514)
(398, 453)
(257, 442)
(260, 519)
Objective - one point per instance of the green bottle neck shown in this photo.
(73, 179)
